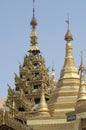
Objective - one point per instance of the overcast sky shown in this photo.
(15, 17)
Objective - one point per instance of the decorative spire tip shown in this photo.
(68, 36)
(68, 21)
(82, 68)
(33, 7)
(81, 57)
(33, 22)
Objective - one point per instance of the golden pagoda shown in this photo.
(40, 101)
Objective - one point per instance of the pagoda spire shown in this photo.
(81, 68)
(43, 106)
(33, 35)
(82, 89)
(69, 68)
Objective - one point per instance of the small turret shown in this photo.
(53, 80)
(82, 89)
(81, 100)
(43, 107)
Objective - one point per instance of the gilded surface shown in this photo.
(40, 101)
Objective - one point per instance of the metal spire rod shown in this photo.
(81, 57)
(33, 2)
(67, 21)
(33, 7)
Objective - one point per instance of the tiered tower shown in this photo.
(33, 82)
(63, 99)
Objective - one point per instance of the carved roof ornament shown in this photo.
(33, 35)
(68, 35)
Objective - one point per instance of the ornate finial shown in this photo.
(81, 57)
(33, 7)
(67, 21)
(68, 36)
(82, 68)
(33, 21)
(33, 35)
(52, 66)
